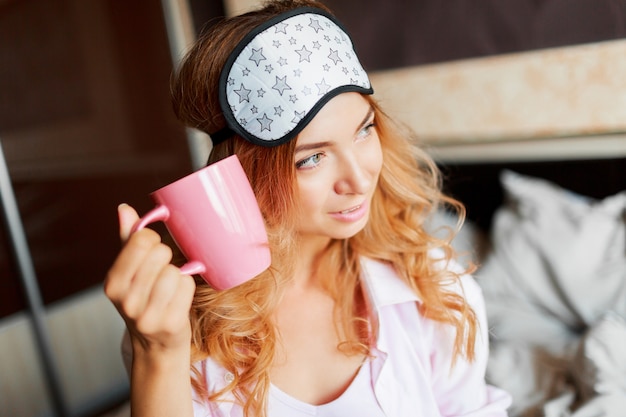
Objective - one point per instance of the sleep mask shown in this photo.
(283, 72)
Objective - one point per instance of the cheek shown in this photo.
(311, 197)
(375, 159)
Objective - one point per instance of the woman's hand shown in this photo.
(150, 293)
(154, 299)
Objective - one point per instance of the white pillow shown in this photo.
(557, 266)
(565, 252)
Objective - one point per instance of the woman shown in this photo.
(361, 311)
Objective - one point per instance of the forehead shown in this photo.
(342, 115)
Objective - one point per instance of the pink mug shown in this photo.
(213, 216)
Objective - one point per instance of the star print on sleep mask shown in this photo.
(283, 72)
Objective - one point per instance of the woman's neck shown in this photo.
(310, 249)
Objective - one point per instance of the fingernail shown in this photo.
(120, 211)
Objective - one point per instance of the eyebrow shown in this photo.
(309, 146)
(368, 116)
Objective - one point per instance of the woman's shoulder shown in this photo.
(382, 277)
(215, 375)
(461, 282)
(216, 378)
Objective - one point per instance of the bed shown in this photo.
(552, 266)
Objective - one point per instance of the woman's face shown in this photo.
(338, 160)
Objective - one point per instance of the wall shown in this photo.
(85, 124)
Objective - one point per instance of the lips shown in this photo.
(350, 210)
(351, 214)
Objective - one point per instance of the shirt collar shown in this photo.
(383, 285)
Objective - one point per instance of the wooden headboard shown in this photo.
(551, 104)
(557, 114)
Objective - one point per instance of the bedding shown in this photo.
(554, 282)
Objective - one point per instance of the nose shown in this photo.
(353, 178)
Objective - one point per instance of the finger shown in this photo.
(163, 313)
(127, 218)
(128, 262)
(181, 302)
(176, 321)
(142, 284)
(164, 289)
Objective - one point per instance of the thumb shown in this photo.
(127, 218)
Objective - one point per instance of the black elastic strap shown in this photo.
(221, 135)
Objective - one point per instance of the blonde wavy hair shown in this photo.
(235, 328)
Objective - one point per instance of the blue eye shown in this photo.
(310, 162)
(367, 130)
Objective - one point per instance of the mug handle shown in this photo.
(162, 213)
(158, 214)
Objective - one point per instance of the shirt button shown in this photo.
(229, 377)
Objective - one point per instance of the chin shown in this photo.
(348, 231)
